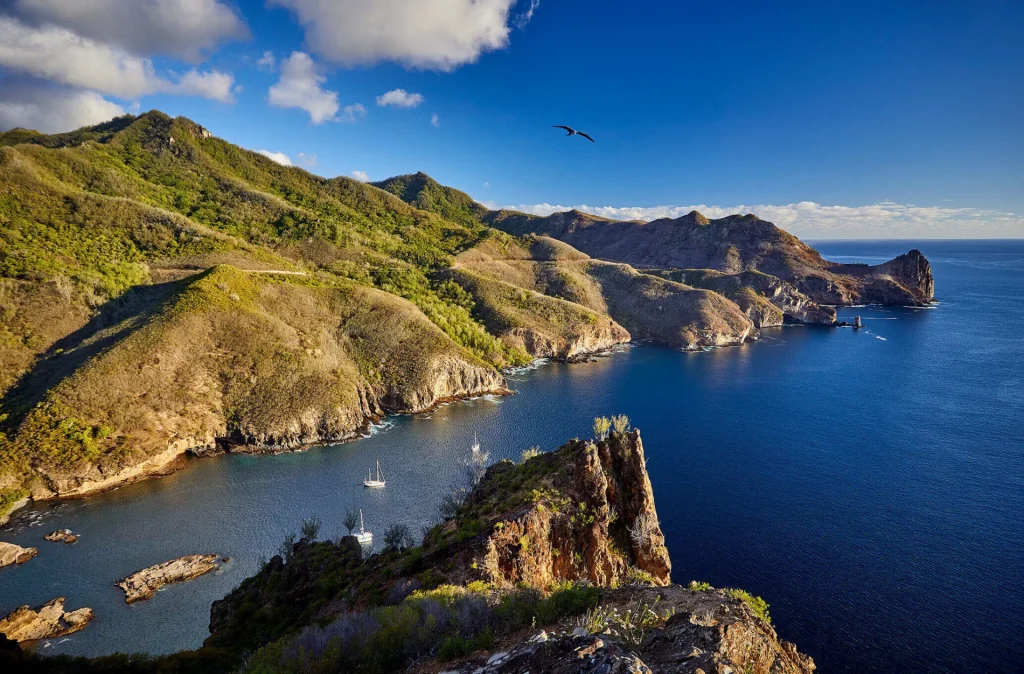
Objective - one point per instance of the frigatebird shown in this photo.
(573, 132)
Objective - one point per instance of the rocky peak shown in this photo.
(583, 512)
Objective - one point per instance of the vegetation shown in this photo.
(98, 227)
(450, 621)
(756, 604)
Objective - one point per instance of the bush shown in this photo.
(310, 528)
(754, 603)
(529, 454)
(398, 537)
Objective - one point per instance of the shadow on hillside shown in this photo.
(115, 320)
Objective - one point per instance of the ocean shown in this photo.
(868, 484)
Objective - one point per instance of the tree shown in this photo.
(398, 537)
(310, 528)
(350, 521)
(530, 453)
(620, 423)
(601, 427)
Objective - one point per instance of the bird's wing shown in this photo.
(586, 136)
(561, 126)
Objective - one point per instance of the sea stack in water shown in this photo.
(15, 554)
(61, 536)
(48, 621)
(857, 323)
(143, 584)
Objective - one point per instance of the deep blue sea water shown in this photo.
(868, 484)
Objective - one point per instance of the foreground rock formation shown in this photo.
(15, 554)
(145, 583)
(576, 527)
(585, 512)
(705, 631)
(48, 621)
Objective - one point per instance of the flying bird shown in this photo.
(573, 132)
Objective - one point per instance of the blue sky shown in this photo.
(875, 120)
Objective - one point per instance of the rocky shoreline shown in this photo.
(46, 622)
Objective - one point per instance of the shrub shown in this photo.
(310, 528)
(620, 423)
(601, 427)
(754, 603)
(530, 453)
(398, 537)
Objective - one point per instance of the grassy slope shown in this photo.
(96, 225)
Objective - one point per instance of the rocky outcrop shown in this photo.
(15, 554)
(541, 345)
(62, 536)
(48, 621)
(687, 632)
(583, 512)
(145, 583)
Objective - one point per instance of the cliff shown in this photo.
(554, 564)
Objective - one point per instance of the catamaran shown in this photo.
(364, 537)
(476, 444)
(370, 482)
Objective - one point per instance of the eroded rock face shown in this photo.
(15, 554)
(563, 654)
(145, 583)
(48, 621)
(584, 512)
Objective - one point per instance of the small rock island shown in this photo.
(144, 584)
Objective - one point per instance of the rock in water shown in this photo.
(143, 584)
(48, 621)
(15, 554)
(61, 536)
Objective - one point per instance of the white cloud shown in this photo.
(307, 160)
(435, 120)
(214, 85)
(810, 220)
(361, 176)
(400, 98)
(300, 87)
(280, 157)
(436, 35)
(267, 61)
(51, 109)
(524, 17)
(59, 55)
(351, 113)
(183, 28)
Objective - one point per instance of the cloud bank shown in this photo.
(73, 53)
(810, 220)
(280, 157)
(435, 35)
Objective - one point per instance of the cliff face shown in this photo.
(584, 512)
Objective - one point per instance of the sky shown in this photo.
(835, 121)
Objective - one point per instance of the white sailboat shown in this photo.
(370, 482)
(363, 536)
(476, 444)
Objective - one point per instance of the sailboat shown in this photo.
(364, 537)
(370, 482)
(476, 444)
